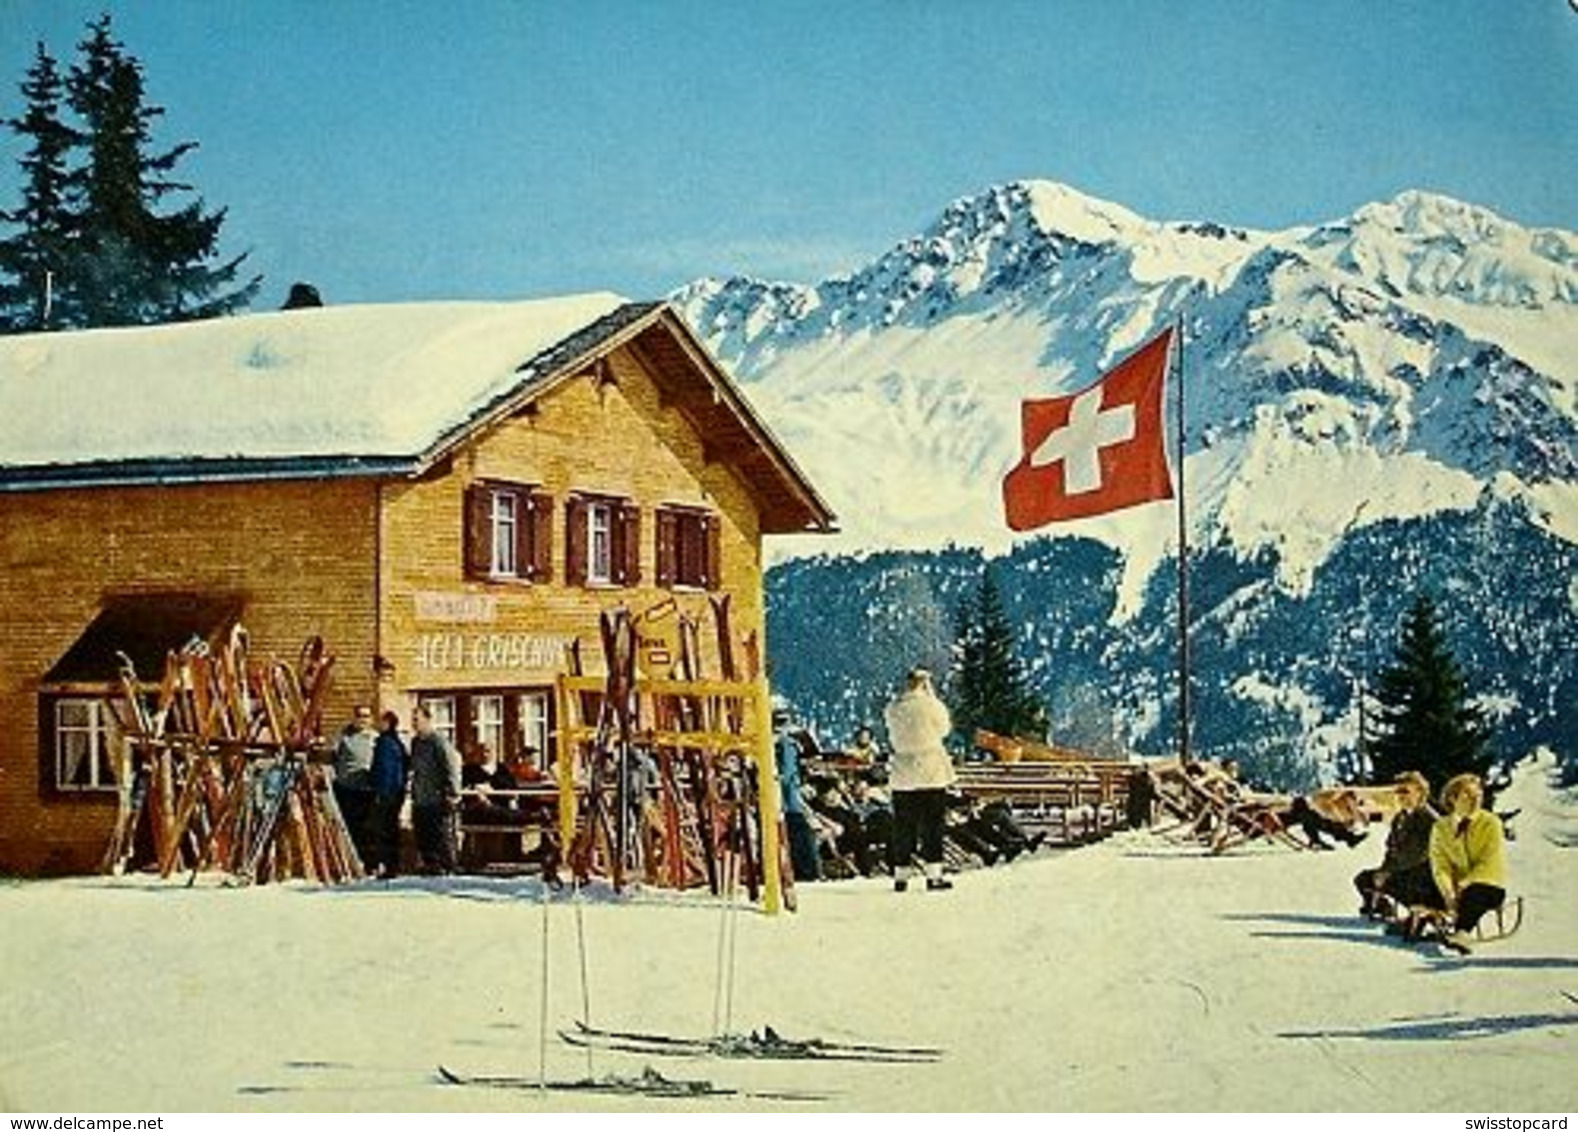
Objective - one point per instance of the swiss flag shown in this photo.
(1098, 450)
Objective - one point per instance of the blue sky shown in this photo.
(490, 149)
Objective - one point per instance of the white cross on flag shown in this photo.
(1098, 450)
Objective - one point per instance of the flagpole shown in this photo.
(1183, 554)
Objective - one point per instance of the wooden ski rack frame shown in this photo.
(709, 814)
(225, 768)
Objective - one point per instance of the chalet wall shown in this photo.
(606, 434)
(353, 560)
(301, 553)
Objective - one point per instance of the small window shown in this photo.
(533, 737)
(688, 548)
(87, 745)
(487, 724)
(599, 543)
(442, 709)
(505, 535)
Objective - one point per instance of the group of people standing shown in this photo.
(373, 773)
(1441, 866)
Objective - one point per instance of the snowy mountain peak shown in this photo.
(1061, 210)
(1430, 245)
(1422, 214)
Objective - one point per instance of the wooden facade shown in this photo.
(624, 469)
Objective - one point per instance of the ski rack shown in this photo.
(669, 777)
(222, 767)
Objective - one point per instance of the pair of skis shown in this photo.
(766, 1045)
(648, 1083)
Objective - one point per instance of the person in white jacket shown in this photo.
(920, 775)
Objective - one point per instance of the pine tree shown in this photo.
(989, 687)
(1425, 721)
(33, 261)
(965, 697)
(138, 265)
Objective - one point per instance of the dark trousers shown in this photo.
(383, 835)
(1415, 887)
(917, 823)
(1474, 901)
(355, 805)
(435, 837)
(803, 856)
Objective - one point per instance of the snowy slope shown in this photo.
(1132, 975)
(1406, 356)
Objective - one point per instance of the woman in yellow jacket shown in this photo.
(1466, 856)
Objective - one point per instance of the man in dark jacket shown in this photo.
(1404, 877)
(391, 764)
(435, 794)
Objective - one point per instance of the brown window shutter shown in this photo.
(512, 728)
(477, 533)
(617, 559)
(629, 548)
(667, 546)
(47, 786)
(575, 542)
(525, 520)
(465, 726)
(539, 556)
(712, 540)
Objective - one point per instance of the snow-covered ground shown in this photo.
(1132, 975)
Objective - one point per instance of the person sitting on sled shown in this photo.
(1467, 857)
(1404, 879)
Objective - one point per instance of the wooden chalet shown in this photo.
(448, 494)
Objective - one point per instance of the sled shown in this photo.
(1509, 918)
(1433, 925)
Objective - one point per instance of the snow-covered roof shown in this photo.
(350, 390)
(368, 383)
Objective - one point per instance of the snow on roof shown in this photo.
(353, 381)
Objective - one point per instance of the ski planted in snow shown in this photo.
(649, 1083)
(767, 1044)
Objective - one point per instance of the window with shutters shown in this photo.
(602, 541)
(508, 533)
(688, 541)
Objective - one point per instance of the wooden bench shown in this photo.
(1073, 802)
(501, 838)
